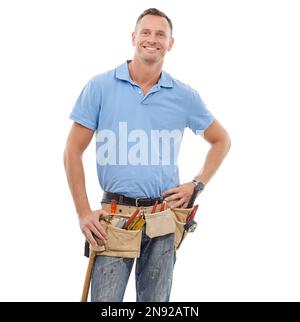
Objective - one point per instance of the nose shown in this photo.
(152, 43)
(152, 39)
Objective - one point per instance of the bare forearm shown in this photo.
(213, 160)
(76, 179)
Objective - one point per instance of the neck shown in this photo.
(143, 73)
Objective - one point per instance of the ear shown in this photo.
(133, 36)
(171, 43)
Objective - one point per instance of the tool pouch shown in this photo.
(160, 223)
(179, 216)
(120, 242)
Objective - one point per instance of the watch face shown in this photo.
(199, 185)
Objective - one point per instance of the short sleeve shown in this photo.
(199, 117)
(87, 107)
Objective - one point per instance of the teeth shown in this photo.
(150, 48)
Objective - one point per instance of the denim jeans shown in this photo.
(153, 274)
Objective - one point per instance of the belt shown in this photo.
(127, 201)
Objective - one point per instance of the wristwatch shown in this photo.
(199, 186)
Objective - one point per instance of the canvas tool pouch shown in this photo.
(120, 242)
(180, 215)
(160, 223)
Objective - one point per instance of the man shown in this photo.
(128, 107)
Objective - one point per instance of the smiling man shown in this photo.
(139, 113)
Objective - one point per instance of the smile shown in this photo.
(151, 49)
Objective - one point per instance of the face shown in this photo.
(152, 39)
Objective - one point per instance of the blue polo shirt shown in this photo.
(138, 136)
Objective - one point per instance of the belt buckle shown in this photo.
(136, 201)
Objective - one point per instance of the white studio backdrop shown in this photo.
(242, 57)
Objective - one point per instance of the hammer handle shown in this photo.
(88, 276)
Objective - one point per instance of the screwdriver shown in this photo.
(135, 220)
(163, 206)
(131, 218)
(113, 206)
(154, 207)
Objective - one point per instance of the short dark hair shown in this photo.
(154, 12)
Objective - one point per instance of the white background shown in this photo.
(243, 58)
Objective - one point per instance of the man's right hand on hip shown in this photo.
(91, 227)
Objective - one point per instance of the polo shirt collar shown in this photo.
(122, 73)
(165, 80)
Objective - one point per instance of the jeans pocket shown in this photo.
(160, 223)
(180, 215)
